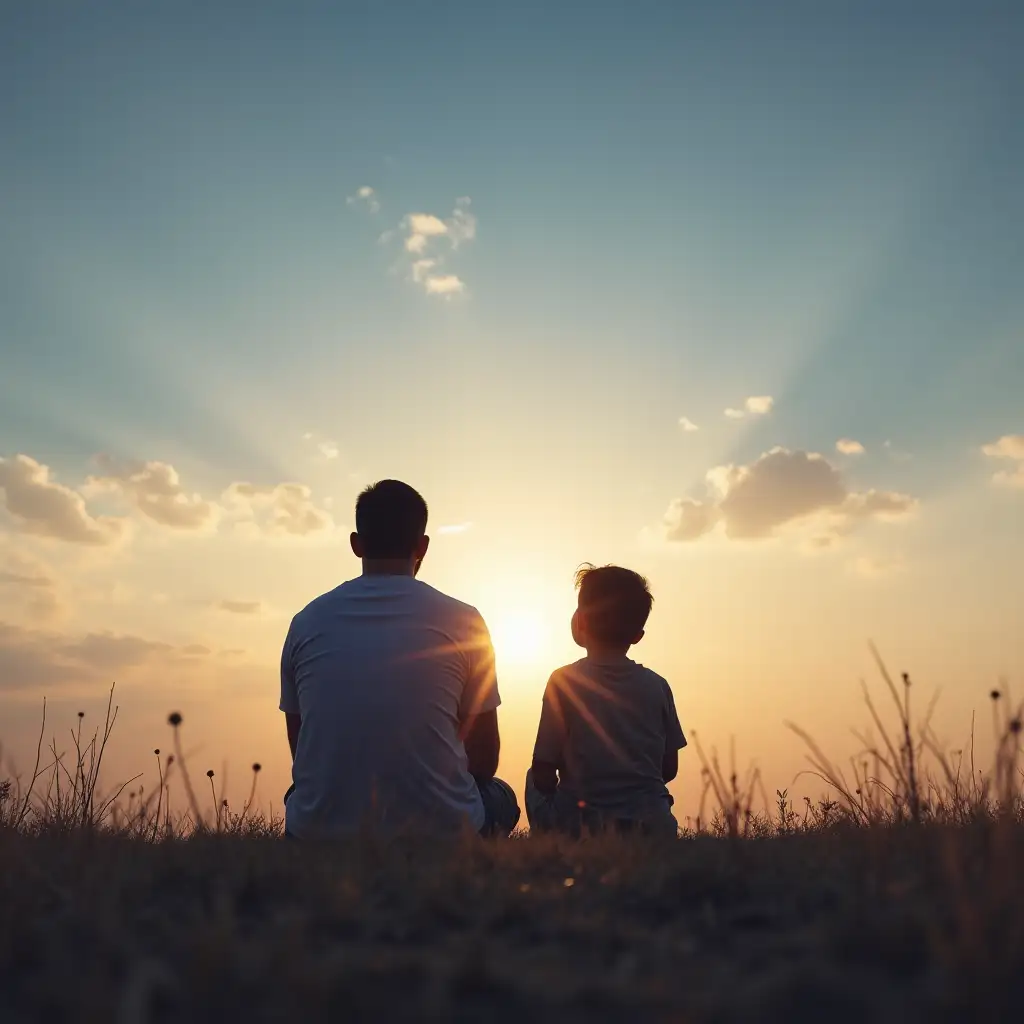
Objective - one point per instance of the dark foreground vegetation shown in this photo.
(899, 897)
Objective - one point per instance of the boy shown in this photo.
(609, 736)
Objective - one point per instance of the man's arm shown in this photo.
(483, 744)
(292, 723)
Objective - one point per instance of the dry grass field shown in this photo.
(899, 896)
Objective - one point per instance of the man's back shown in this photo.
(382, 671)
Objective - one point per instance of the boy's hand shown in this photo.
(545, 777)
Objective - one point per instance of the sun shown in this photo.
(520, 637)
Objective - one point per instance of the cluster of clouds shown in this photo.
(1009, 449)
(40, 505)
(427, 241)
(776, 490)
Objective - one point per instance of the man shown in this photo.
(389, 693)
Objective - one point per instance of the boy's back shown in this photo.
(607, 723)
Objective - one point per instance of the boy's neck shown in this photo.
(606, 652)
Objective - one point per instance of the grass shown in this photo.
(898, 895)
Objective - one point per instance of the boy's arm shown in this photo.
(674, 738)
(549, 750)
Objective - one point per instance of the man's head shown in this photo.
(613, 607)
(391, 523)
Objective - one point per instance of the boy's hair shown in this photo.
(391, 518)
(617, 602)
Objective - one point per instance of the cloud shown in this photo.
(1009, 448)
(282, 510)
(426, 236)
(461, 224)
(156, 490)
(847, 446)
(755, 405)
(41, 506)
(445, 284)
(421, 268)
(328, 449)
(687, 519)
(779, 488)
(40, 658)
(453, 528)
(240, 607)
(422, 227)
(365, 197)
(687, 424)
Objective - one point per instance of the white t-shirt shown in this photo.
(382, 670)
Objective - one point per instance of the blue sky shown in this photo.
(675, 207)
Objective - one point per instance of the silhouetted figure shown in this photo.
(609, 737)
(389, 693)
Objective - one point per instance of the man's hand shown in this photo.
(480, 735)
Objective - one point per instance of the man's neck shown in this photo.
(388, 567)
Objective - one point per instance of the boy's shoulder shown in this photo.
(587, 666)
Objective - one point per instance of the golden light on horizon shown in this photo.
(521, 638)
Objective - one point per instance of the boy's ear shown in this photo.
(579, 629)
(637, 638)
(357, 544)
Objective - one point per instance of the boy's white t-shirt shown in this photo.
(607, 723)
(382, 670)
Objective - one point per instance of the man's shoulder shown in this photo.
(322, 602)
(445, 606)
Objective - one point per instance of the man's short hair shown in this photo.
(391, 519)
(616, 602)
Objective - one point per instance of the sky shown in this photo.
(730, 294)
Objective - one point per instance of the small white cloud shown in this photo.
(847, 446)
(445, 284)
(453, 528)
(421, 268)
(687, 424)
(755, 405)
(1009, 448)
(365, 197)
(328, 449)
(760, 405)
(240, 607)
(422, 227)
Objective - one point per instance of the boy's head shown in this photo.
(612, 609)
(391, 523)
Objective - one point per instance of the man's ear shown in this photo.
(419, 553)
(357, 544)
(637, 638)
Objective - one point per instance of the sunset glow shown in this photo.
(636, 295)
